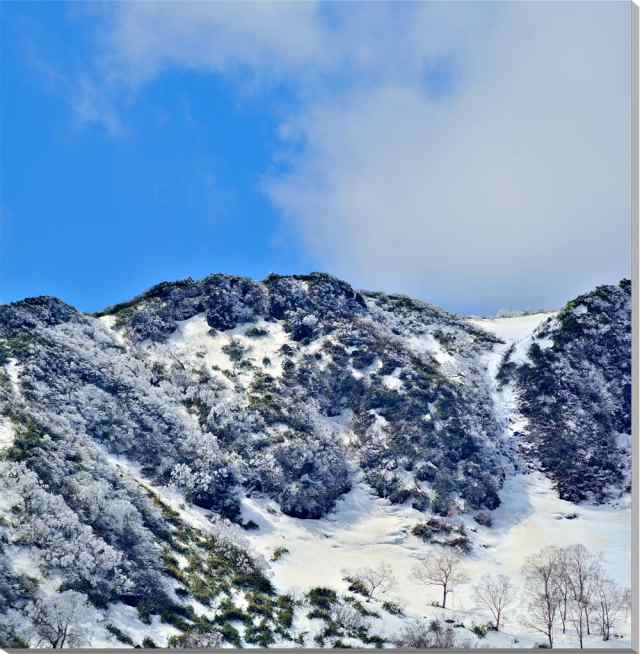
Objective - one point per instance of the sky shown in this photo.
(475, 155)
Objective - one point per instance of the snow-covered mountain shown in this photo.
(217, 461)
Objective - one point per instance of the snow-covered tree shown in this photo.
(60, 620)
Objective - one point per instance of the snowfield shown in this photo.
(365, 531)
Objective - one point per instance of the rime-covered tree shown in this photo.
(57, 621)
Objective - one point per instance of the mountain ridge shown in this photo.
(224, 391)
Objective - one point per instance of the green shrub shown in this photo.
(392, 608)
(256, 332)
(259, 635)
(231, 635)
(357, 586)
(278, 553)
(119, 635)
(480, 630)
(360, 607)
(322, 597)
(260, 605)
(255, 581)
(319, 614)
(170, 617)
(229, 612)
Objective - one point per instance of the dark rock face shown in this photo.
(576, 393)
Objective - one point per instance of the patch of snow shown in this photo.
(193, 342)
(512, 329)
(518, 331)
(623, 441)
(393, 381)
(7, 433)
(428, 344)
(110, 323)
(13, 370)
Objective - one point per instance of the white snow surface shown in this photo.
(365, 530)
(7, 433)
(14, 376)
(109, 321)
(194, 342)
(518, 331)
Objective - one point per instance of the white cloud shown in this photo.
(273, 38)
(514, 190)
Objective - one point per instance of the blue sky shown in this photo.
(93, 217)
(472, 155)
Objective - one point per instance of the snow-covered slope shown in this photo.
(209, 462)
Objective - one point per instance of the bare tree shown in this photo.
(444, 571)
(627, 601)
(57, 620)
(380, 579)
(541, 572)
(580, 568)
(610, 604)
(496, 594)
(371, 581)
(563, 587)
(576, 617)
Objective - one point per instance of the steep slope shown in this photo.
(574, 384)
(151, 454)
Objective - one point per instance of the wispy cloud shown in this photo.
(511, 187)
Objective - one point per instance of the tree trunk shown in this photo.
(580, 628)
(586, 615)
(444, 596)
